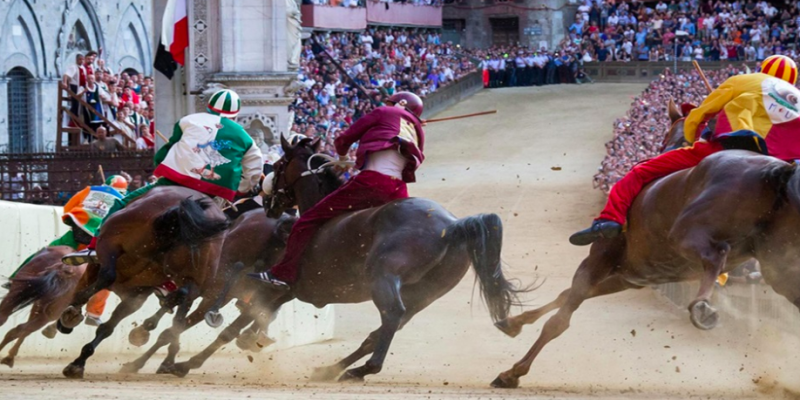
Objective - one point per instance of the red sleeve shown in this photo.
(356, 131)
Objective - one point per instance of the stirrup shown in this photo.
(80, 257)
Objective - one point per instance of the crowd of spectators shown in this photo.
(711, 30)
(381, 61)
(505, 66)
(639, 134)
(362, 3)
(117, 106)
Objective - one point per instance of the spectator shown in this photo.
(104, 144)
(145, 140)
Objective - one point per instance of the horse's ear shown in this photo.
(315, 144)
(674, 112)
(287, 148)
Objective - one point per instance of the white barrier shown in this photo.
(25, 228)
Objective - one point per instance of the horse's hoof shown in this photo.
(51, 331)
(73, 371)
(180, 369)
(349, 376)
(325, 374)
(8, 361)
(129, 368)
(63, 329)
(139, 336)
(165, 369)
(247, 341)
(505, 327)
(214, 319)
(263, 341)
(501, 383)
(703, 316)
(71, 317)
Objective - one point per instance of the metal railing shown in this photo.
(52, 178)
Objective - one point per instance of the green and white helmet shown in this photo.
(225, 103)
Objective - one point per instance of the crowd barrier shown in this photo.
(646, 71)
(745, 304)
(27, 228)
(463, 88)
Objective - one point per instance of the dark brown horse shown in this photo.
(45, 284)
(253, 242)
(169, 233)
(692, 225)
(402, 256)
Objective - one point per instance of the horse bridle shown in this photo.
(287, 191)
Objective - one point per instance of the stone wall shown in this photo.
(43, 36)
(644, 71)
(539, 21)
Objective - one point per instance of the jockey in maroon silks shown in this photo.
(390, 148)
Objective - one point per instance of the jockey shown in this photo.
(84, 213)
(758, 112)
(390, 148)
(207, 152)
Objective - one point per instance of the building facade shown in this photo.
(483, 23)
(39, 39)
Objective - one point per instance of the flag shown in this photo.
(174, 38)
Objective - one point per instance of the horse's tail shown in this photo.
(786, 183)
(188, 224)
(483, 235)
(24, 291)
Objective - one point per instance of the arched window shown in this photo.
(131, 71)
(20, 89)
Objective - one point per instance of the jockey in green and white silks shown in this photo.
(207, 152)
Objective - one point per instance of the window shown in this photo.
(19, 115)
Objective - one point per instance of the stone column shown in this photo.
(4, 115)
(46, 105)
(171, 104)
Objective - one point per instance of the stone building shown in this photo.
(39, 38)
(483, 23)
(243, 45)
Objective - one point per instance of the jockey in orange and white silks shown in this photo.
(390, 143)
(758, 112)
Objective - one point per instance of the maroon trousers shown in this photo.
(368, 189)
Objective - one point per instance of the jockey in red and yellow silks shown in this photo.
(757, 112)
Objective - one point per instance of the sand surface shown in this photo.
(630, 345)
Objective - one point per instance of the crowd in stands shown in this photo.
(505, 66)
(116, 105)
(638, 136)
(381, 61)
(711, 30)
(362, 3)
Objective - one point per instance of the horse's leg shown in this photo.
(255, 337)
(712, 255)
(164, 338)
(140, 335)
(37, 319)
(106, 276)
(227, 335)
(512, 326)
(128, 306)
(592, 272)
(386, 296)
(178, 328)
(51, 330)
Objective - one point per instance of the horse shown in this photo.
(45, 284)
(253, 242)
(172, 232)
(402, 255)
(691, 225)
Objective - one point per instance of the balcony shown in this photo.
(326, 17)
(404, 14)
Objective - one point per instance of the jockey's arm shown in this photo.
(76, 200)
(715, 102)
(252, 166)
(177, 133)
(742, 108)
(356, 131)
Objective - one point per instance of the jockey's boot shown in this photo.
(601, 228)
(267, 278)
(80, 257)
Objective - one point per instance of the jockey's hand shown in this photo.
(423, 123)
(343, 167)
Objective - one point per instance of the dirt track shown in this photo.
(632, 345)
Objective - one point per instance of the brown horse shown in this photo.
(694, 224)
(403, 256)
(45, 284)
(171, 232)
(253, 242)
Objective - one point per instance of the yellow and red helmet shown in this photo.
(119, 183)
(781, 67)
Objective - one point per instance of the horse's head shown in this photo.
(295, 181)
(674, 138)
